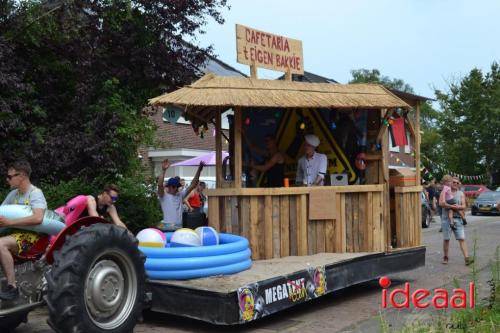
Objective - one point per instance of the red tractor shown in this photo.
(91, 276)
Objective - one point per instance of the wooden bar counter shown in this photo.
(293, 221)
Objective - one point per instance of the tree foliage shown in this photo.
(470, 123)
(373, 76)
(74, 76)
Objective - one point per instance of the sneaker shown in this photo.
(445, 260)
(10, 294)
(468, 261)
(440, 229)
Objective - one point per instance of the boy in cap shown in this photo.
(171, 200)
(311, 168)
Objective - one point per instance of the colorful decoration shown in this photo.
(302, 126)
(247, 121)
(444, 170)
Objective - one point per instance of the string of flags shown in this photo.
(440, 168)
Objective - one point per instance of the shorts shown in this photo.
(459, 232)
(25, 240)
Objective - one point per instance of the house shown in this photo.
(178, 142)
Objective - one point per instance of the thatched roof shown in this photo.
(218, 92)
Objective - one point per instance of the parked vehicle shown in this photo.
(474, 190)
(486, 203)
(426, 211)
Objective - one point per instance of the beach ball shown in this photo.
(208, 235)
(151, 237)
(185, 237)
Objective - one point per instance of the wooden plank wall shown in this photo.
(278, 226)
(408, 216)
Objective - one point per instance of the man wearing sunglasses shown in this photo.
(19, 242)
(103, 205)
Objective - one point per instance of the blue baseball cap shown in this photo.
(174, 181)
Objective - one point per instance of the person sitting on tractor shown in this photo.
(18, 242)
(103, 205)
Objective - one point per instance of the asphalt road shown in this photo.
(355, 309)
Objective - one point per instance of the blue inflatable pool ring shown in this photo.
(51, 224)
(231, 255)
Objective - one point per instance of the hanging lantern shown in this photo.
(247, 121)
(302, 126)
(334, 126)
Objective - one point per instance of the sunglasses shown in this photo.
(114, 198)
(456, 182)
(9, 177)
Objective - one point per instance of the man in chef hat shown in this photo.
(311, 168)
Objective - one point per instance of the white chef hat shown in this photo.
(312, 139)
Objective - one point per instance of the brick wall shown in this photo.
(170, 136)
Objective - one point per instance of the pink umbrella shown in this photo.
(209, 159)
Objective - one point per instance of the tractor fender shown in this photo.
(57, 242)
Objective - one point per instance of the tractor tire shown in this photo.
(97, 282)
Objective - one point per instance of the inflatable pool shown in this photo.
(232, 255)
(52, 223)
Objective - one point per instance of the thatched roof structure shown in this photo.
(218, 92)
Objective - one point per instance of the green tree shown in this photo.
(469, 123)
(373, 76)
(75, 76)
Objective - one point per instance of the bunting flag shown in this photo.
(440, 168)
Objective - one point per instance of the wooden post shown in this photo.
(417, 143)
(237, 147)
(386, 201)
(253, 70)
(218, 150)
(288, 75)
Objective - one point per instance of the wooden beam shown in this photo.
(417, 143)
(238, 165)
(253, 70)
(218, 150)
(295, 190)
(288, 75)
(408, 189)
(383, 127)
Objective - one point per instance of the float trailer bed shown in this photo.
(216, 299)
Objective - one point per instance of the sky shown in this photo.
(427, 43)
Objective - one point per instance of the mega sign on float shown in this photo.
(262, 49)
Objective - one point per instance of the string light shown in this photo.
(302, 126)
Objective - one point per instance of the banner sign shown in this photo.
(270, 296)
(171, 114)
(266, 50)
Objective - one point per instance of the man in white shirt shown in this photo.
(311, 168)
(171, 198)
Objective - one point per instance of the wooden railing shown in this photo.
(282, 222)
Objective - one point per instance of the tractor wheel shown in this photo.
(97, 282)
